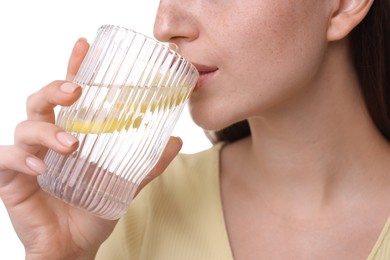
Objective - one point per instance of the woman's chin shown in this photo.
(209, 121)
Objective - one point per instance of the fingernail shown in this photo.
(178, 139)
(82, 39)
(79, 41)
(66, 139)
(36, 165)
(69, 87)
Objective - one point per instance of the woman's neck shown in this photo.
(318, 144)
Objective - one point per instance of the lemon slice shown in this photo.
(107, 126)
(124, 122)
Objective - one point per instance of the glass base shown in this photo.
(86, 186)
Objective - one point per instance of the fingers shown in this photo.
(40, 105)
(33, 135)
(79, 51)
(171, 150)
(38, 132)
(14, 162)
(16, 159)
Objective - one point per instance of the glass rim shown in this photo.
(172, 47)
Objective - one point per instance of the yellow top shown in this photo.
(179, 216)
(381, 250)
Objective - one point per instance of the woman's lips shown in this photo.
(205, 73)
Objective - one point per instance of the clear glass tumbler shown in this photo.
(134, 89)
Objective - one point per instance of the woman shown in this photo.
(302, 172)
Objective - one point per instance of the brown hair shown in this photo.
(370, 48)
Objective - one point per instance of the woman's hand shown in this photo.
(48, 227)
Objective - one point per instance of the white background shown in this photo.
(35, 43)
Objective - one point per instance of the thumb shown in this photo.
(171, 150)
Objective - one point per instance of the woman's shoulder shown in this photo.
(206, 157)
(192, 165)
(188, 174)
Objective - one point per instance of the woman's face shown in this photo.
(253, 55)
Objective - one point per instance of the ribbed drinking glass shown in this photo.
(134, 89)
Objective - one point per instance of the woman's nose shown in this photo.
(174, 22)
